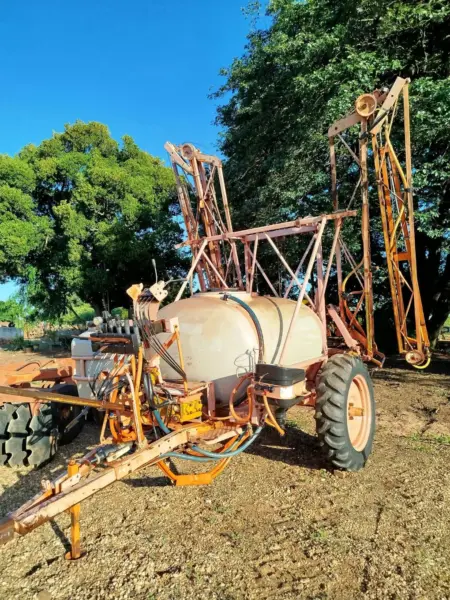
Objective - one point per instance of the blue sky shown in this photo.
(143, 67)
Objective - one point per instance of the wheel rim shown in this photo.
(359, 412)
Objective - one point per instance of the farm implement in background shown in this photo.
(31, 430)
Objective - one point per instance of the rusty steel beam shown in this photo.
(243, 233)
(44, 396)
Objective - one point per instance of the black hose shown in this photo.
(150, 394)
(255, 320)
(156, 345)
(148, 388)
(280, 334)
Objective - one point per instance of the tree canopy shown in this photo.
(303, 72)
(13, 311)
(82, 215)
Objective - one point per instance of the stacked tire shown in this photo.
(26, 439)
(31, 440)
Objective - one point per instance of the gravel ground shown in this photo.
(275, 524)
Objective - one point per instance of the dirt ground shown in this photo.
(275, 524)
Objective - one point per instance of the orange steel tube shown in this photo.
(75, 550)
(386, 212)
(419, 318)
(180, 356)
(233, 413)
(133, 366)
(136, 408)
(45, 396)
(365, 225)
(285, 225)
(272, 421)
(138, 374)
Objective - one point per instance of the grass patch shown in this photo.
(320, 535)
(440, 439)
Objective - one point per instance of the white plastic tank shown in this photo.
(219, 339)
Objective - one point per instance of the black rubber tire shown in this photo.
(331, 411)
(65, 413)
(6, 414)
(42, 442)
(26, 440)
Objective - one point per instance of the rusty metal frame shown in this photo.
(126, 415)
(315, 226)
(396, 203)
(196, 175)
(202, 214)
(40, 376)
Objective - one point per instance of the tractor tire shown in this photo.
(6, 414)
(26, 440)
(65, 413)
(345, 412)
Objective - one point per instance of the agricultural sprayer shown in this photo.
(198, 379)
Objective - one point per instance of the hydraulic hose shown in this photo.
(272, 420)
(150, 394)
(423, 365)
(160, 422)
(148, 387)
(218, 456)
(232, 453)
(233, 413)
(199, 459)
(255, 320)
(207, 453)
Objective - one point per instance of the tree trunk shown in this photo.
(434, 283)
(435, 326)
(440, 308)
(80, 320)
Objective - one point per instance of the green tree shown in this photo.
(22, 229)
(78, 314)
(88, 215)
(303, 72)
(119, 312)
(13, 311)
